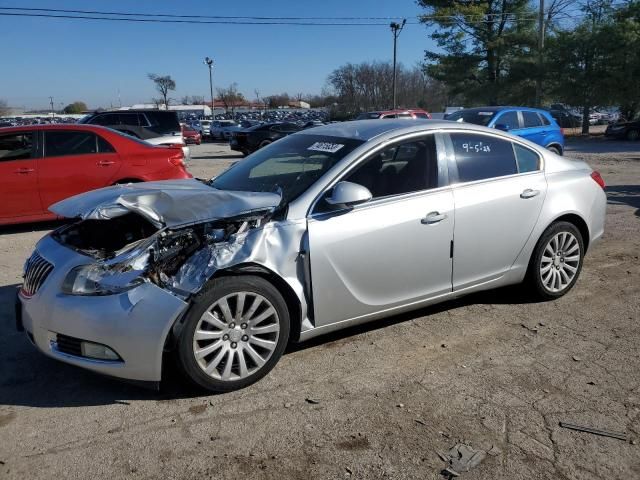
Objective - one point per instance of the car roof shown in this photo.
(369, 129)
(499, 109)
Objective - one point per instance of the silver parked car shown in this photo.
(327, 228)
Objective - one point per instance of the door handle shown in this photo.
(105, 163)
(529, 193)
(24, 170)
(433, 217)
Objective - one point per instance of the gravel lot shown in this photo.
(376, 401)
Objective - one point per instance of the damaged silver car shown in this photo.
(324, 229)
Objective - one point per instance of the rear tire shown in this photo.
(554, 149)
(264, 143)
(556, 261)
(235, 332)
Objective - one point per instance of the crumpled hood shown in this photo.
(165, 204)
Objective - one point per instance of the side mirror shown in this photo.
(348, 194)
(502, 126)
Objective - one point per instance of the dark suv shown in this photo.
(251, 139)
(143, 124)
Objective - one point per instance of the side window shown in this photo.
(104, 146)
(100, 120)
(421, 115)
(58, 144)
(480, 157)
(528, 160)
(129, 119)
(545, 121)
(510, 119)
(142, 120)
(402, 168)
(393, 115)
(16, 146)
(531, 119)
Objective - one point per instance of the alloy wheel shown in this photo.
(560, 262)
(236, 336)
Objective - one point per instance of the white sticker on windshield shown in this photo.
(325, 147)
(485, 113)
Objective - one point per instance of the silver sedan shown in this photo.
(324, 229)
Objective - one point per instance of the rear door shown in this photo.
(19, 175)
(499, 191)
(74, 162)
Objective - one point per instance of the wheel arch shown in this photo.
(287, 292)
(253, 269)
(128, 180)
(556, 145)
(576, 220)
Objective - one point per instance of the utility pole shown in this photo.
(257, 92)
(540, 55)
(53, 113)
(209, 62)
(396, 28)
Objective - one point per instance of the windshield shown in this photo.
(479, 117)
(289, 166)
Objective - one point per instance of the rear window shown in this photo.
(481, 157)
(163, 123)
(478, 117)
(531, 119)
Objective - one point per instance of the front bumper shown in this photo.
(134, 324)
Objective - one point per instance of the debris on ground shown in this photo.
(576, 358)
(312, 401)
(595, 431)
(531, 329)
(461, 458)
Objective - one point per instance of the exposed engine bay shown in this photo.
(130, 245)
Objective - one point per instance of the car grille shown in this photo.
(69, 345)
(36, 272)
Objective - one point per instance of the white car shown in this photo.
(220, 128)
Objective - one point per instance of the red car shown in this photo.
(42, 164)
(398, 113)
(191, 135)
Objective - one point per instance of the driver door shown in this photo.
(391, 251)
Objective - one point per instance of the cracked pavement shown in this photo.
(490, 369)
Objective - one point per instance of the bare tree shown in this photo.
(164, 84)
(230, 97)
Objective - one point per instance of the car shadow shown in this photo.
(31, 379)
(624, 195)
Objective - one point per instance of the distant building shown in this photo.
(299, 104)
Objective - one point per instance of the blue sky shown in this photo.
(91, 60)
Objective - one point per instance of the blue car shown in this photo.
(537, 126)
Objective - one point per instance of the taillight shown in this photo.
(562, 131)
(598, 179)
(177, 160)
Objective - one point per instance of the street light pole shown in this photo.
(540, 54)
(209, 62)
(396, 28)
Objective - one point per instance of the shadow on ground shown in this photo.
(31, 379)
(624, 195)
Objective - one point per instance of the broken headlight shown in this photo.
(101, 279)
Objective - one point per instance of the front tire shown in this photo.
(557, 261)
(235, 332)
